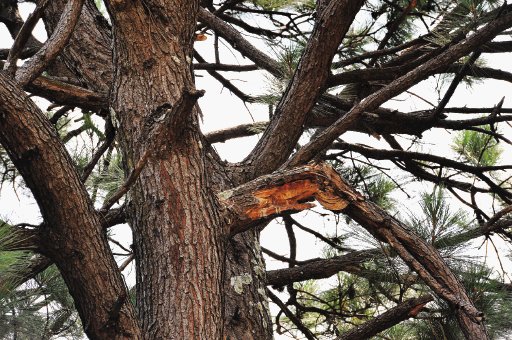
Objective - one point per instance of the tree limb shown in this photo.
(393, 316)
(51, 48)
(397, 86)
(292, 190)
(306, 85)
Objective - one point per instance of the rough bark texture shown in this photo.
(88, 55)
(88, 267)
(176, 230)
(178, 234)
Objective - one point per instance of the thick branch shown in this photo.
(321, 269)
(51, 48)
(67, 94)
(305, 87)
(399, 85)
(23, 36)
(403, 311)
(68, 212)
(292, 190)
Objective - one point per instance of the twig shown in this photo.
(293, 318)
(127, 184)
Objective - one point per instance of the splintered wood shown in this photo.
(285, 191)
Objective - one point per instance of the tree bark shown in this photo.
(183, 258)
(88, 268)
(393, 316)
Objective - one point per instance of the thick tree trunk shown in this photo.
(184, 288)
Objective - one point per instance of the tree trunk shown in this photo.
(184, 288)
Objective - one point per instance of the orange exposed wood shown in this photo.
(415, 311)
(276, 199)
(293, 196)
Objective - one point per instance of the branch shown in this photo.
(410, 155)
(123, 189)
(233, 37)
(51, 48)
(293, 190)
(67, 94)
(399, 85)
(226, 83)
(293, 318)
(224, 67)
(243, 130)
(69, 215)
(23, 36)
(305, 87)
(459, 75)
(88, 54)
(36, 265)
(109, 139)
(322, 268)
(352, 262)
(403, 311)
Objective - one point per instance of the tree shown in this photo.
(196, 219)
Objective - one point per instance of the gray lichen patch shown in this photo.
(238, 282)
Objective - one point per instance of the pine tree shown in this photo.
(410, 191)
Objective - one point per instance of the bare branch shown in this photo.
(393, 316)
(21, 39)
(239, 43)
(399, 85)
(51, 48)
(304, 88)
(67, 94)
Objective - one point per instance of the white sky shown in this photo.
(222, 110)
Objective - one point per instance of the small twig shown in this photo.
(293, 318)
(127, 184)
(109, 138)
(117, 243)
(126, 262)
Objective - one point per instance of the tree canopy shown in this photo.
(384, 120)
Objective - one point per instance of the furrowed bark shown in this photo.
(88, 268)
(189, 277)
(292, 190)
